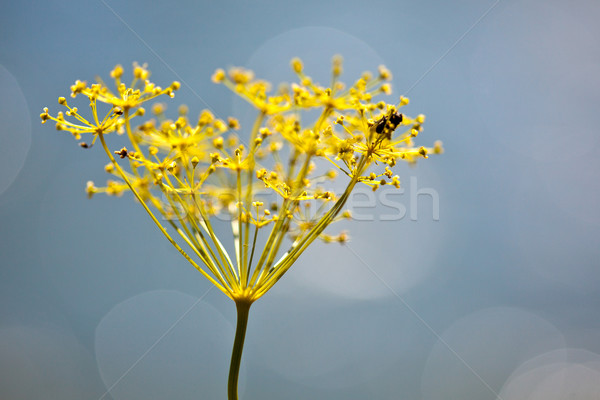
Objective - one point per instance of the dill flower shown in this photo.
(194, 174)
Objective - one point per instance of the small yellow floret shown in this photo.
(336, 65)
(218, 76)
(233, 123)
(218, 142)
(297, 65)
(140, 72)
(90, 189)
(158, 108)
(117, 72)
(384, 73)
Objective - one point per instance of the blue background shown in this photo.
(498, 297)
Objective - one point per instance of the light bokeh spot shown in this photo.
(15, 136)
(556, 375)
(492, 342)
(191, 361)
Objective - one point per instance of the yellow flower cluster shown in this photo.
(270, 186)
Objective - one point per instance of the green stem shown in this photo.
(243, 309)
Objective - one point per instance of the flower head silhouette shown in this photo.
(190, 175)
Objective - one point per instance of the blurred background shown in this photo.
(479, 280)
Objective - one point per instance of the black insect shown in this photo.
(387, 124)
